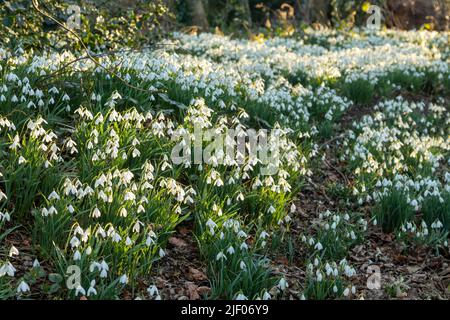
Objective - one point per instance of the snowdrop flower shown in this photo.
(123, 279)
(92, 290)
(162, 253)
(230, 250)
(74, 242)
(128, 242)
(263, 235)
(7, 269)
(283, 284)
(346, 292)
(80, 290)
(96, 213)
(242, 265)
(152, 290)
(53, 196)
(437, 225)
(319, 276)
(242, 234)
(211, 224)
(77, 256)
(221, 256)
(103, 273)
(316, 262)
(13, 251)
(266, 296)
(123, 212)
(293, 208)
(240, 296)
(23, 287)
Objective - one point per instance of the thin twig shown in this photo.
(338, 171)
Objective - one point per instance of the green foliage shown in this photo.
(437, 209)
(336, 235)
(392, 210)
(360, 91)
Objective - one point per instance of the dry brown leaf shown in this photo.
(177, 242)
(196, 274)
(192, 290)
(203, 290)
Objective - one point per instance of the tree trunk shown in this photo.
(315, 11)
(197, 13)
(248, 12)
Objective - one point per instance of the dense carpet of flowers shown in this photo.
(86, 169)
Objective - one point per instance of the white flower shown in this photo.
(263, 235)
(96, 213)
(211, 224)
(77, 256)
(240, 296)
(92, 290)
(80, 290)
(346, 292)
(128, 242)
(293, 208)
(36, 263)
(23, 287)
(319, 276)
(221, 256)
(74, 242)
(13, 251)
(230, 250)
(8, 269)
(53, 195)
(283, 284)
(123, 279)
(152, 290)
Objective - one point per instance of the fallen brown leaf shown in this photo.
(177, 242)
(196, 274)
(203, 290)
(192, 289)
